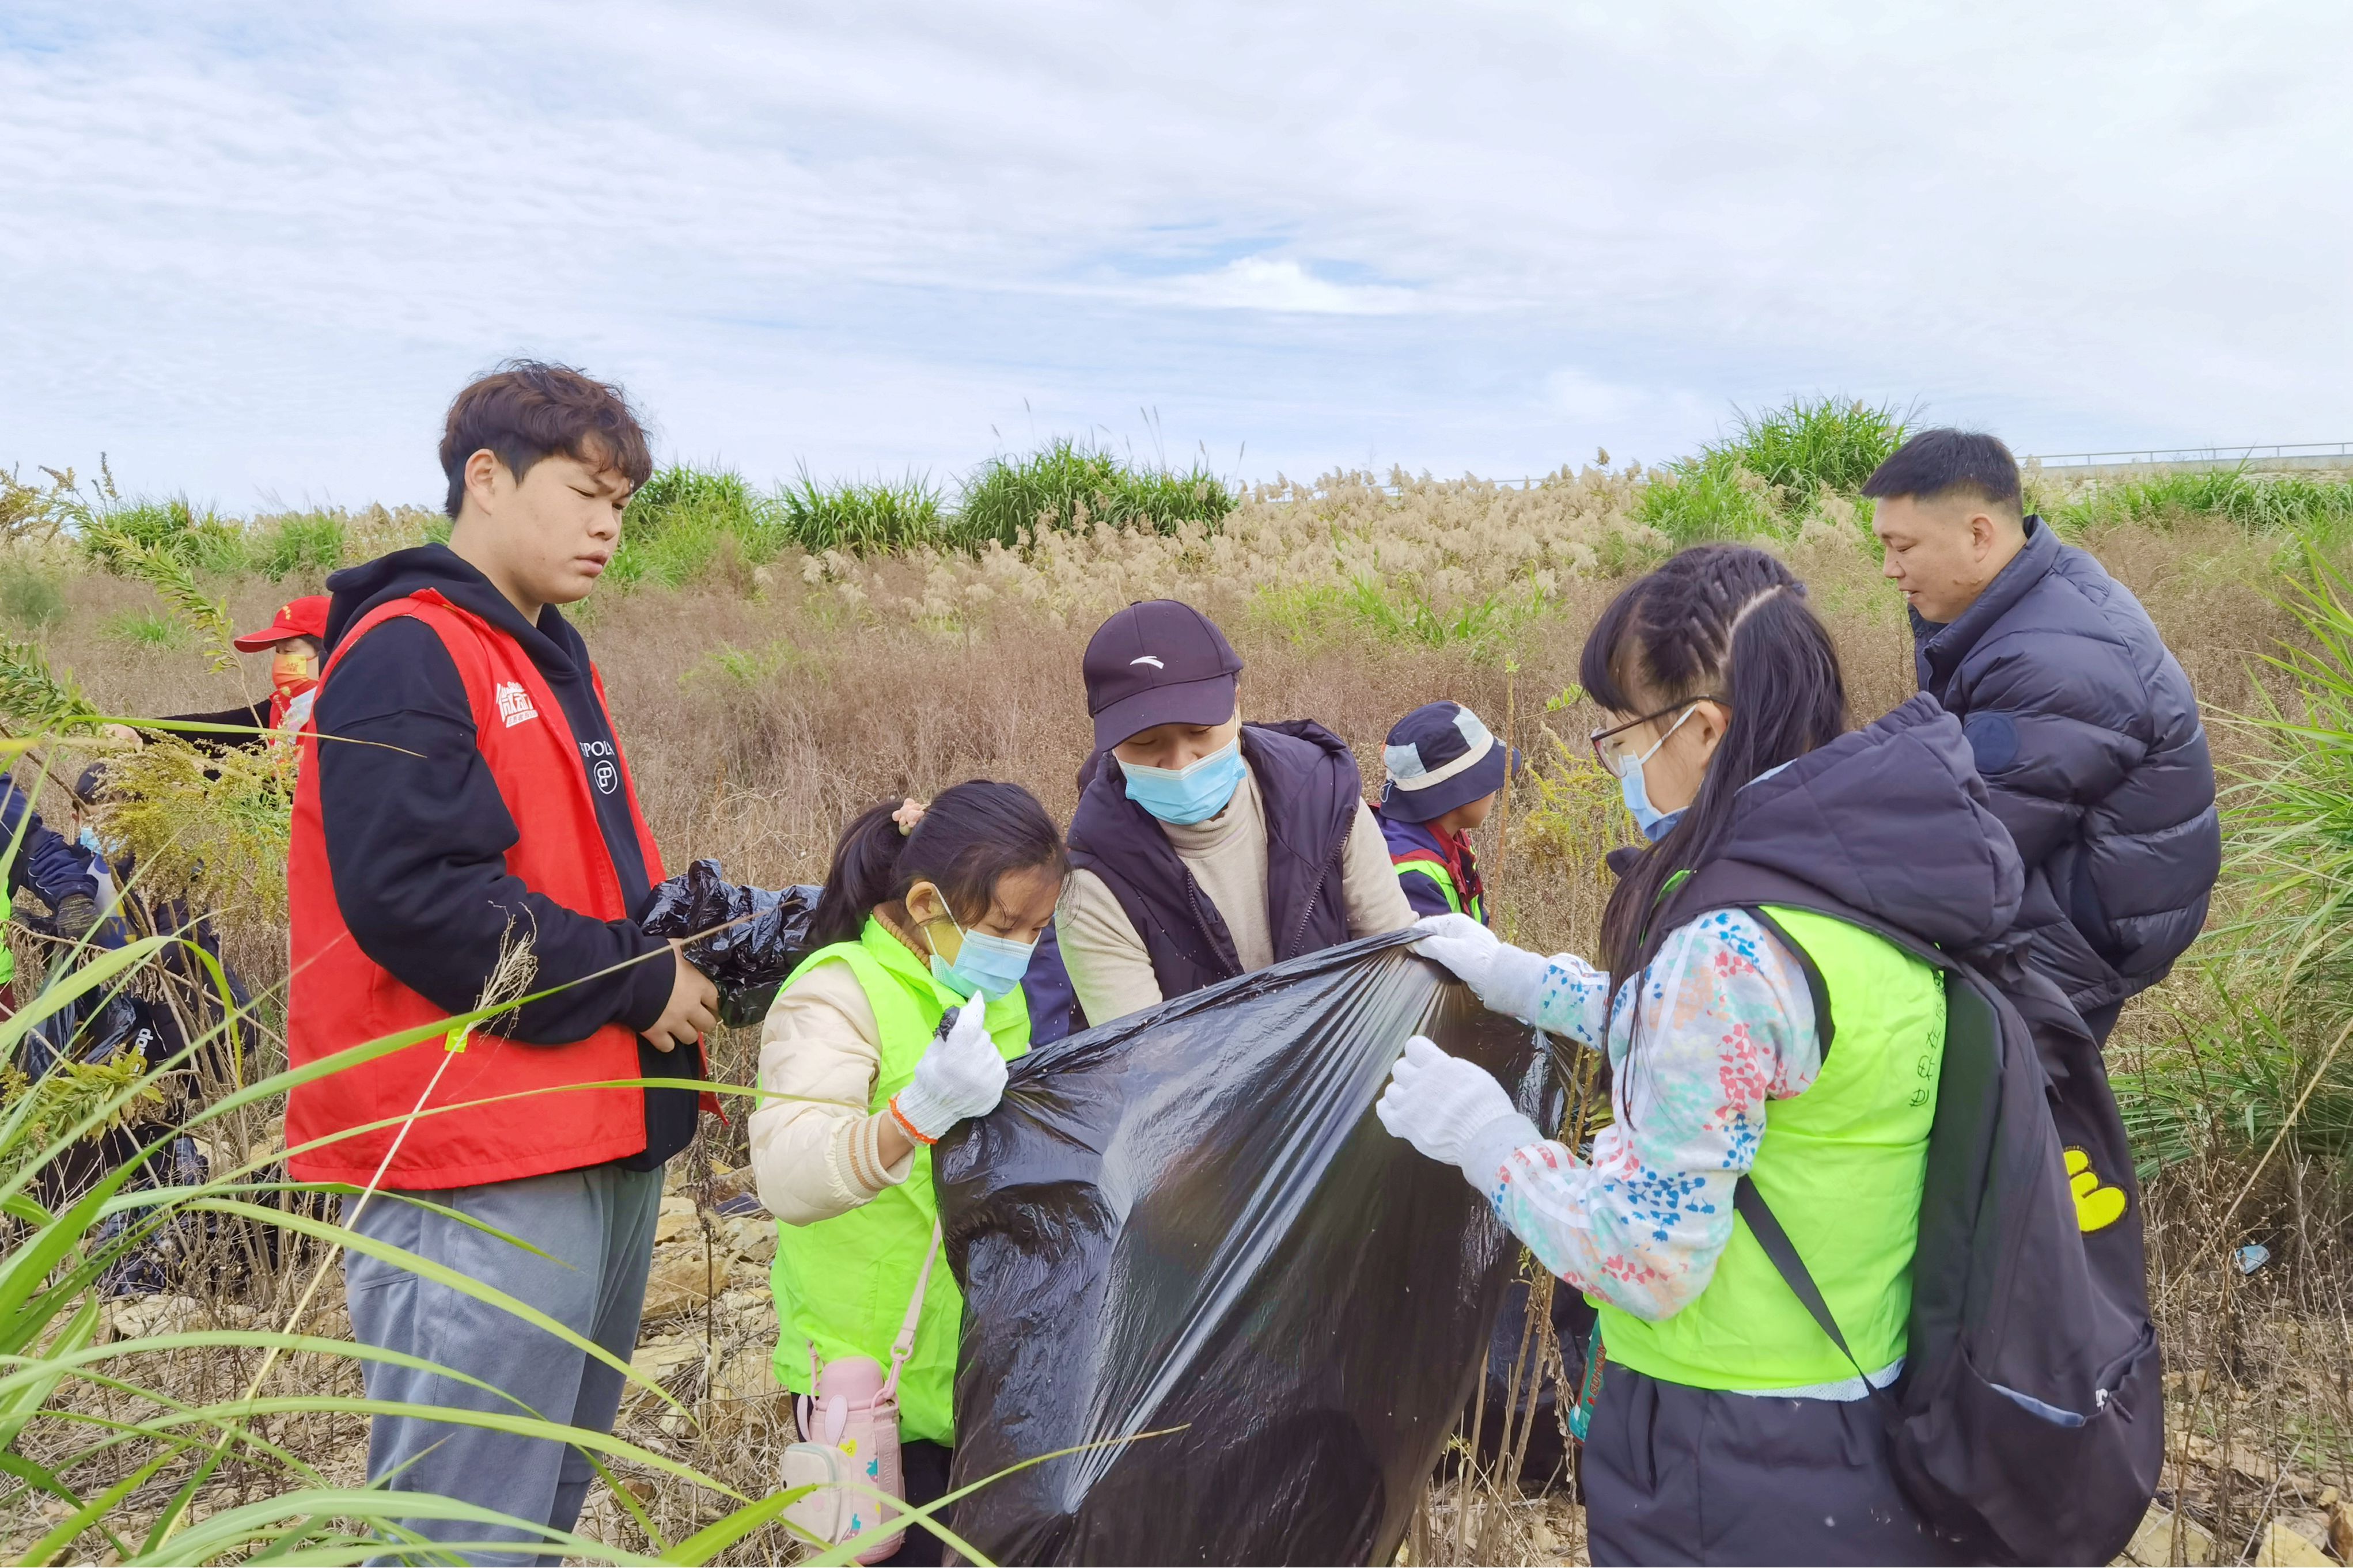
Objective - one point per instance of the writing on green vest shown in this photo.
(1842, 1165)
(843, 1284)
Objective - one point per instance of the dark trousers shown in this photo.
(1674, 1474)
(924, 1467)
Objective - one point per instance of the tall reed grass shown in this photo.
(31, 595)
(1776, 470)
(2294, 505)
(107, 1444)
(765, 698)
(682, 516)
(2264, 1066)
(865, 517)
(1068, 485)
(687, 522)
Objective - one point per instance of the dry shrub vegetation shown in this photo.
(772, 693)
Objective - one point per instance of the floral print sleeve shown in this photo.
(1573, 1000)
(1724, 1024)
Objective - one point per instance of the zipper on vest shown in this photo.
(1201, 924)
(1307, 911)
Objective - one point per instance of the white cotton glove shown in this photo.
(960, 1075)
(1506, 979)
(1453, 1110)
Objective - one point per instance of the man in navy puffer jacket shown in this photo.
(2084, 725)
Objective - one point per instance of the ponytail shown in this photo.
(962, 842)
(1731, 620)
(865, 867)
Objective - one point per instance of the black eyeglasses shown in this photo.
(1612, 752)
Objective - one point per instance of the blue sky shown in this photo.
(249, 250)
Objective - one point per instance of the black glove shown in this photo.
(77, 915)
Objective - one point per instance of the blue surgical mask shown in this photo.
(88, 839)
(1655, 824)
(992, 966)
(1181, 796)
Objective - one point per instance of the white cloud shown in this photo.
(1272, 283)
(252, 247)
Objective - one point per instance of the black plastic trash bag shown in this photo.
(748, 961)
(1191, 1218)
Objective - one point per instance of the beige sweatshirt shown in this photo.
(1111, 971)
(815, 1155)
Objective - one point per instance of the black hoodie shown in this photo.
(417, 838)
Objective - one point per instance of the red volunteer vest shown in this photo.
(338, 998)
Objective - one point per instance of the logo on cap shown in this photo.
(1149, 660)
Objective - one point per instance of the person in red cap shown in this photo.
(1205, 847)
(295, 635)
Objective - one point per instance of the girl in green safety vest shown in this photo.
(897, 1027)
(1728, 1426)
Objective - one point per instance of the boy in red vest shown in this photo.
(486, 811)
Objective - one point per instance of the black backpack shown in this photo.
(2030, 1419)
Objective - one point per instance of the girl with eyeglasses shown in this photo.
(1742, 943)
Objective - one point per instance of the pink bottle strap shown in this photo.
(904, 1345)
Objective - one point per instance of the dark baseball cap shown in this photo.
(1440, 756)
(1158, 662)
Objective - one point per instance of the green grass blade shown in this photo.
(87, 1516)
(231, 1529)
(489, 1420)
(716, 1537)
(439, 1274)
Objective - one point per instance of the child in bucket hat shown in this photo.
(1444, 770)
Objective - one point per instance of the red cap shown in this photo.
(303, 617)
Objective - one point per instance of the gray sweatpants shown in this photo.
(596, 1228)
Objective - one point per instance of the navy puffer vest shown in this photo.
(1308, 784)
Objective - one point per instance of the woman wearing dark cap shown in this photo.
(1205, 847)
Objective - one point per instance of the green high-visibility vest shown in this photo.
(1842, 1166)
(1446, 888)
(843, 1284)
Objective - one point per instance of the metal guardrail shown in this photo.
(2288, 451)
